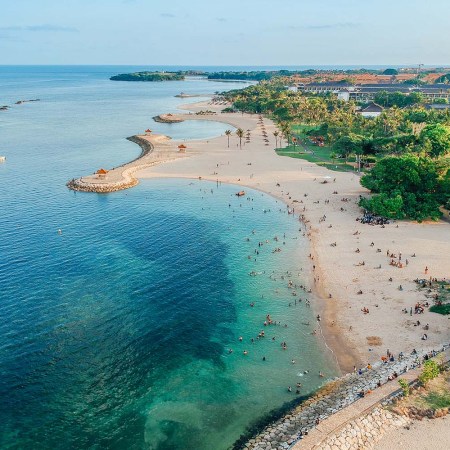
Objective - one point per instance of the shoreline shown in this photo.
(297, 183)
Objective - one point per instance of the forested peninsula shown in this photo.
(149, 76)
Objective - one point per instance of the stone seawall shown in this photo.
(365, 431)
(332, 398)
(120, 177)
(80, 185)
(146, 148)
(165, 118)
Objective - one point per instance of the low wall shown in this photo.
(334, 397)
(365, 431)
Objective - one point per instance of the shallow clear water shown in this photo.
(116, 334)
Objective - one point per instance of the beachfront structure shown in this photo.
(371, 110)
(101, 173)
(438, 106)
(367, 92)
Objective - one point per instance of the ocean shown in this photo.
(124, 331)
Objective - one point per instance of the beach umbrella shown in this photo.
(182, 148)
(148, 131)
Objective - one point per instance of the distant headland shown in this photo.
(149, 76)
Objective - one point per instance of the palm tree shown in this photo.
(228, 134)
(287, 136)
(276, 134)
(240, 135)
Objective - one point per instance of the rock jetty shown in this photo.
(118, 178)
(168, 118)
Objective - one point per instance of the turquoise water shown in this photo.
(116, 333)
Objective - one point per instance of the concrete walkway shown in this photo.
(332, 424)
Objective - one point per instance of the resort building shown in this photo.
(366, 92)
(371, 110)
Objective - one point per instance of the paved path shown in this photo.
(333, 423)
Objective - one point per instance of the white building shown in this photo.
(371, 110)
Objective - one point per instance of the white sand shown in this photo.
(337, 271)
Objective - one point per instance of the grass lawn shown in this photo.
(312, 153)
(317, 155)
(436, 394)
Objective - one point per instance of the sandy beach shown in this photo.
(349, 260)
(368, 304)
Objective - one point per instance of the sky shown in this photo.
(227, 32)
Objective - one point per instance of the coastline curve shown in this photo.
(119, 178)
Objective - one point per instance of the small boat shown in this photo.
(2, 159)
(240, 193)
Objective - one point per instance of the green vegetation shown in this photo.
(389, 99)
(265, 75)
(444, 79)
(443, 309)
(429, 372)
(415, 82)
(408, 147)
(228, 134)
(390, 72)
(240, 135)
(404, 386)
(257, 75)
(149, 76)
(435, 139)
(439, 291)
(434, 395)
(406, 186)
(320, 157)
(437, 400)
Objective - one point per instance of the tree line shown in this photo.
(411, 144)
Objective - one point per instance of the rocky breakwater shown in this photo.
(333, 397)
(168, 118)
(119, 178)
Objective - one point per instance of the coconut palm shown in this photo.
(228, 134)
(276, 134)
(240, 135)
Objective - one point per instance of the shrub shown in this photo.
(405, 386)
(429, 372)
(441, 309)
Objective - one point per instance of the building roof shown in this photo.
(438, 106)
(372, 107)
(396, 87)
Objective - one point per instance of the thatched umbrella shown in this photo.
(101, 173)
(182, 148)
